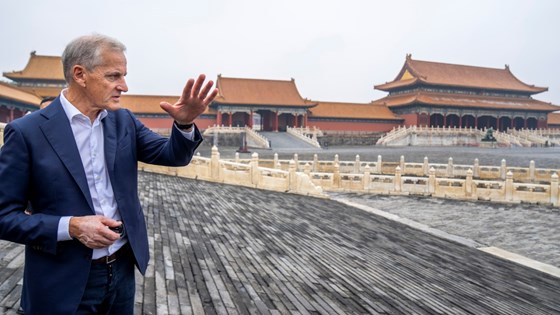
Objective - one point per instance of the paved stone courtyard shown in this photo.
(219, 249)
(528, 230)
(233, 250)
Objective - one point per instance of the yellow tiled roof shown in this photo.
(352, 110)
(39, 67)
(553, 119)
(460, 100)
(259, 92)
(444, 74)
(11, 92)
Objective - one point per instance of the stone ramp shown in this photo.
(219, 249)
(284, 140)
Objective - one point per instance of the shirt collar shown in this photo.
(71, 110)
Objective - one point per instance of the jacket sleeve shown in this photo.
(38, 230)
(153, 148)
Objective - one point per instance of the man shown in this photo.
(75, 162)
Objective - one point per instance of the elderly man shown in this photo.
(75, 162)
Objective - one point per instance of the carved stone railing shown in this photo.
(255, 139)
(304, 135)
(451, 136)
(259, 140)
(470, 182)
(249, 174)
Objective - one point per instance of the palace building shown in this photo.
(446, 95)
(424, 93)
(42, 76)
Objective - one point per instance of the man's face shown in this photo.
(105, 83)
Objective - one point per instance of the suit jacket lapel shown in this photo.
(58, 132)
(110, 139)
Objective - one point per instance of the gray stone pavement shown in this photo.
(219, 249)
(527, 230)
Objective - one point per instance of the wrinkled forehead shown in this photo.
(112, 59)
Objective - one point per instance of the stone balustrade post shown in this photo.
(275, 162)
(357, 164)
(307, 169)
(432, 181)
(236, 157)
(450, 167)
(554, 189)
(296, 161)
(255, 173)
(292, 176)
(476, 169)
(469, 183)
(215, 164)
(509, 186)
(503, 170)
(336, 176)
(367, 177)
(379, 165)
(336, 159)
(398, 179)
(425, 167)
(401, 163)
(532, 171)
(315, 162)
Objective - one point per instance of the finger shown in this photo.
(206, 89)
(211, 97)
(110, 222)
(198, 85)
(187, 90)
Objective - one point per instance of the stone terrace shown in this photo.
(219, 249)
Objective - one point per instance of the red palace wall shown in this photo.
(412, 120)
(351, 126)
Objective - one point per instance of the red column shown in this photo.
(476, 122)
(295, 121)
(445, 120)
(250, 124)
(512, 123)
(219, 118)
(525, 123)
(460, 121)
(276, 121)
(11, 114)
(305, 120)
(230, 119)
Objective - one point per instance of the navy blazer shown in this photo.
(40, 164)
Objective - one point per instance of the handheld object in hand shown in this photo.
(118, 229)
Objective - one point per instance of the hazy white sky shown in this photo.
(336, 50)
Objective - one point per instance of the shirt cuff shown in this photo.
(63, 229)
(187, 134)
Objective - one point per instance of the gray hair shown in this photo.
(86, 51)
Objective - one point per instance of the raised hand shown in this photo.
(193, 102)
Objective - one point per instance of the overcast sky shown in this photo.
(335, 50)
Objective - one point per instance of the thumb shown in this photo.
(167, 107)
(110, 222)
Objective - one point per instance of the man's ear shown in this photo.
(79, 75)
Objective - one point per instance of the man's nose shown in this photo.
(123, 87)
